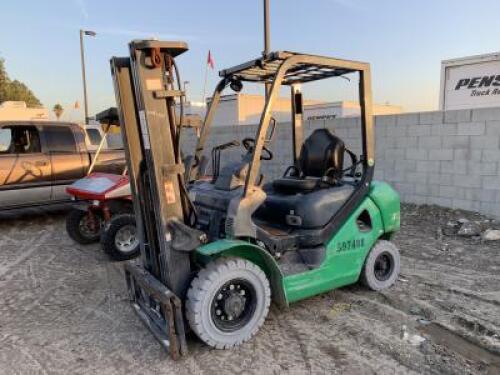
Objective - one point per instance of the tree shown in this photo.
(58, 110)
(15, 90)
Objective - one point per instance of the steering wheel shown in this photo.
(249, 145)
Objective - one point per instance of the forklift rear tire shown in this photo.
(78, 227)
(228, 302)
(382, 266)
(119, 239)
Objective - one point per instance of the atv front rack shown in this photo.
(158, 307)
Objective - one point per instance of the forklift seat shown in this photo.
(321, 156)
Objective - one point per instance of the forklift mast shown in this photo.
(147, 86)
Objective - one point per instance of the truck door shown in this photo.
(25, 173)
(65, 158)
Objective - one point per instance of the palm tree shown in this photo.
(58, 110)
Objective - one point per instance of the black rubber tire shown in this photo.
(368, 274)
(202, 294)
(73, 220)
(109, 241)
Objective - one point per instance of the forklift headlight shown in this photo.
(236, 85)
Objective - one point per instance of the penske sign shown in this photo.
(472, 85)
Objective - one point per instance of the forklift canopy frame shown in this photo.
(289, 68)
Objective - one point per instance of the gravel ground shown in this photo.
(64, 310)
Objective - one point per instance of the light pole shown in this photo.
(82, 55)
(267, 37)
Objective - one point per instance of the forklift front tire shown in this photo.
(382, 266)
(228, 302)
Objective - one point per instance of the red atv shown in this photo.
(104, 211)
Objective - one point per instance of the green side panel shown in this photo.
(345, 256)
(387, 200)
(251, 252)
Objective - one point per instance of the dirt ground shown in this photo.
(64, 310)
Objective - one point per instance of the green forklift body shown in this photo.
(377, 216)
(346, 251)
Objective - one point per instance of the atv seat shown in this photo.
(321, 160)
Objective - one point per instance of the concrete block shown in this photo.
(493, 127)
(456, 167)
(485, 141)
(491, 155)
(456, 116)
(456, 141)
(407, 119)
(444, 129)
(488, 195)
(466, 181)
(416, 177)
(429, 141)
(482, 168)
(467, 154)
(442, 154)
(405, 165)
(471, 128)
(394, 175)
(396, 130)
(432, 117)
(404, 187)
(491, 182)
(427, 166)
(419, 129)
(405, 142)
(484, 114)
(385, 120)
(394, 153)
(447, 191)
(416, 154)
(440, 178)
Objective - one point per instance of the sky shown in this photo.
(403, 40)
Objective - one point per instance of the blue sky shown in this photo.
(403, 40)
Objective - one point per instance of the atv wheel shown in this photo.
(381, 267)
(228, 302)
(119, 239)
(80, 227)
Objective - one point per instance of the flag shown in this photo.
(210, 60)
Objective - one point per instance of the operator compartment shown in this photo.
(310, 193)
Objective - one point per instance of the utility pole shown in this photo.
(267, 40)
(82, 56)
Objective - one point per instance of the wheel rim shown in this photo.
(384, 265)
(233, 305)
(126, 239)
(90, 226)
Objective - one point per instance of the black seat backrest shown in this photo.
(322, 152)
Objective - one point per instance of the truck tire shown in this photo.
(78, 227)
(228, 302)
(382, 266)
(119, 239)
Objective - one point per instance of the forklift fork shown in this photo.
(158, 308)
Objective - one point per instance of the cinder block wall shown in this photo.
(450, 159)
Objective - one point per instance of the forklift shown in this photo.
(214, 253)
